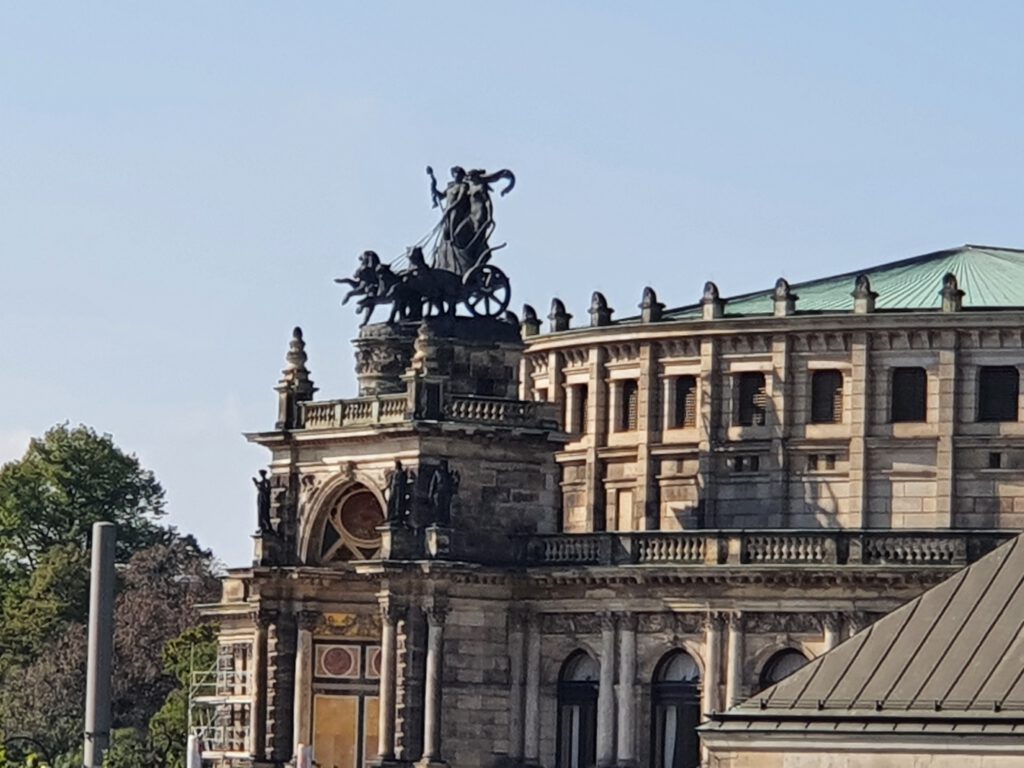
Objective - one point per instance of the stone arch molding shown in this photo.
(319, 506)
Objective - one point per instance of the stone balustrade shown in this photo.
(765, 547)
(394, 408)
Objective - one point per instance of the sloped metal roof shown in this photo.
(952, 659)
(990, 277)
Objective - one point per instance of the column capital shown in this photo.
(517, 618)
(436, 613)
(308, 620)
(832, 621)
(391, 611)
(714, 620)
(263, 618)
(608, 621)
(736, 621)
(626, 620)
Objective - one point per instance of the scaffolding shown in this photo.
(220, 707)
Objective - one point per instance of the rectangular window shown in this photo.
(579, 409)
(751, 399)
(629, 401)
(684, 406)
(746, 463)
(998, 390)
(827, 397)
(909, 394)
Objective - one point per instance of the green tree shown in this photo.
(69, 479)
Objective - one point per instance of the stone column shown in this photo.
(780, 426)
(833, 623)
(258, 685)
(302, 707)
(606, 694)
(516, 667)
(432, 687)
(531, 739)
(712, 661)
(708, 425)
(649, 424)
(597, 431)
(945, 466)
(627, 690)
(858, 411)
(388, 646)
(734, 674)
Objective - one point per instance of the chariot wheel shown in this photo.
(487, 291)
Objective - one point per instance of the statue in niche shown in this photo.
(444, 484)
(400, 483)
(263, 488)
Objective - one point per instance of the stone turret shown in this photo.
(295, 385)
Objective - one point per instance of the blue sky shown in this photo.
(180, 182)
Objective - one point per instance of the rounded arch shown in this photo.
(580, 667)
(781, 664)
(344, 525)
(652, 658)
(677, 666)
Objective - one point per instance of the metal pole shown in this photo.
(101, 644)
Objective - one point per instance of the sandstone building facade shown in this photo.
(569, 548)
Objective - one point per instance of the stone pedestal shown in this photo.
(383, 354)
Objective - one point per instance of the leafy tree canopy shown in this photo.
(67, 480)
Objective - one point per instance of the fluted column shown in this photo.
(734, 673)
(833, 630)
(258, 685)
(627, 690)
(306, 621)
(606, 694)
(432, 687)
(388, 643)
(712, 661)
(516, 667)
(531, 741)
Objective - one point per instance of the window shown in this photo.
(746, 463)
(752, 399)
(578, 396)
(684, 401)
(349, 529)
(909, 394)
(676, 712)
(577, 712)
(998, 390)
(782, 664)
(827, 397)
(629, 402)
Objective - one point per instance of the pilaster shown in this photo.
(626, 747)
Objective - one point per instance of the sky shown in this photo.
(181, 182)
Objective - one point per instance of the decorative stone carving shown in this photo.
(600, 312)
(400, 484)
(263, 487)
(530, 324)
(571, 624)
(558, 316)
(650, 308)
(778, 623)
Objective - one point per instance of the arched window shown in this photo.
(577, 712)
(676, 700)
(349, 529)
(782, 664)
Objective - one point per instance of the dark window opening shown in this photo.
(746, 463)
(752, 399)
(998, 392)
(781, 665)
(684, 411)
(577, 712)
(827, 397)
(676, 712)
(995, 460)
(629, 402)
(579, 409)
(909, 394)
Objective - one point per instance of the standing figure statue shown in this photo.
(468, 218)
(444, 484)
(400, 483)
(263, 502)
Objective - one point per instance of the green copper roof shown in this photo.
(990, 277)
